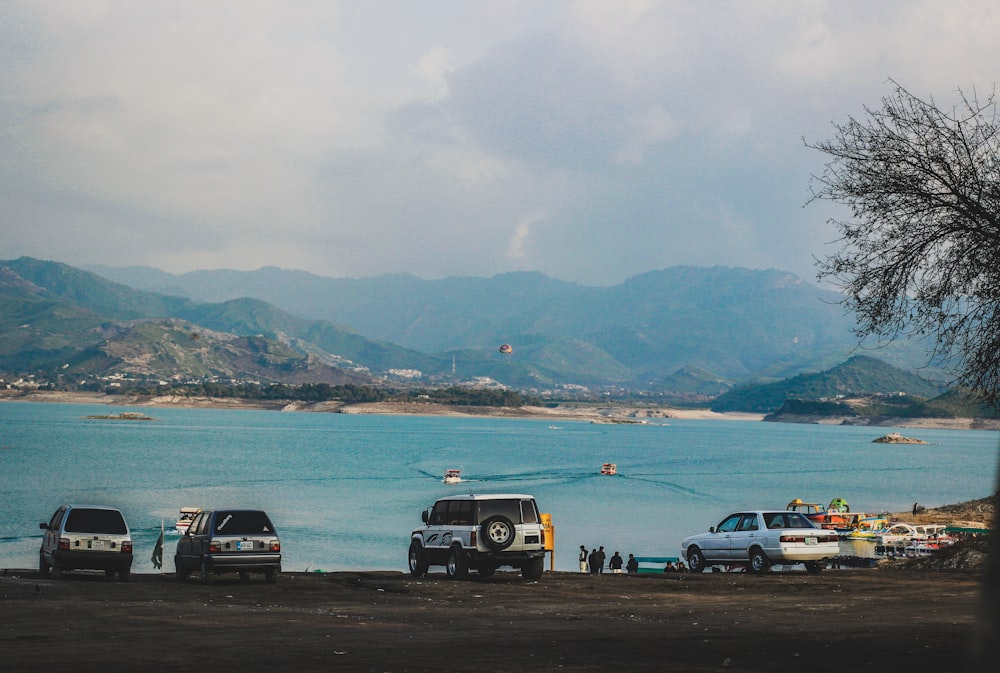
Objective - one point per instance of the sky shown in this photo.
(591, 140)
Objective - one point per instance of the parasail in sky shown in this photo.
(506, 349)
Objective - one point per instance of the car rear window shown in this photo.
(96, 521)
(242, 523)
(787, 520)
(508, 508)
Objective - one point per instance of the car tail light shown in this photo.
(275, 545)
(127, 547)
(64, 543)
(802, 538)
(473, 538)
(214, 547)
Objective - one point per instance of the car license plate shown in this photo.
(810, 540)
(97, 544)
(244, 545)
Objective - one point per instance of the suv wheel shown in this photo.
(205, 577)
(417, 560)
(815, 566)
(696, 560)
(497, 532)
(758, 561)
(533, 569)
(270, 576)
(43, 565)
(57, 572)
(456, 567)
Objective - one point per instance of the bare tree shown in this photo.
(921, 254)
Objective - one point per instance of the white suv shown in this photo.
(482, 532)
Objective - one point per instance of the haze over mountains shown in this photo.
(685, 330)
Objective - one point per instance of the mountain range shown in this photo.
(684, 331)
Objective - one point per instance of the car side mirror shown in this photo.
(43, 526)
(711, 529)
(423, 516)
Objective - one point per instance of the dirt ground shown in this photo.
(919, 615)
(852, 619)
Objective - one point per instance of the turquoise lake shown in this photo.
(344, 491)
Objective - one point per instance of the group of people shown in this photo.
(593, 562)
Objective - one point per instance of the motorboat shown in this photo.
(913, 532)
(452, 476)
(184, 520)
(869, 527)
(609, 468)
(811, 510)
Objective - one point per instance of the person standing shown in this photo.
(593, 563)
(616, 563)
(632, 566)
(600, 559)
(584, 566)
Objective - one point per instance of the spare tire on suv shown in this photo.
(481, 533)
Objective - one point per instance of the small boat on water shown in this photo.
(609, 468)
(868, 527)
(932, 533)
(811, 510)
(452, 476)
(186, 516)
(836, 515)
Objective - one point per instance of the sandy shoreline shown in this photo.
(607, 413)
(568, 412)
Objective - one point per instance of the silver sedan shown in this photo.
(759, 539)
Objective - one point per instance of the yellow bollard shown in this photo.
(550, 539)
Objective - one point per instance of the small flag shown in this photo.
(157, 557)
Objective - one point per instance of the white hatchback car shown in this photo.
(86, 537)
(759, 539)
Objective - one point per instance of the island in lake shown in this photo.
(123, 416)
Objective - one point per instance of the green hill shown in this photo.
(685, 333)
(860, 376)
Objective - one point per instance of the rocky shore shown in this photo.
(581, 412)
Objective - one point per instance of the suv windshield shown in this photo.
(95, 521)
(242, 523)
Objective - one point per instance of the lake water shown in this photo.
(344, 491)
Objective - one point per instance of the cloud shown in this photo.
(590, 140)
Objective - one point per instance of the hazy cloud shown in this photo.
(590, 140)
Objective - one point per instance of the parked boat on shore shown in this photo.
(907, 532)
(868, 527)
